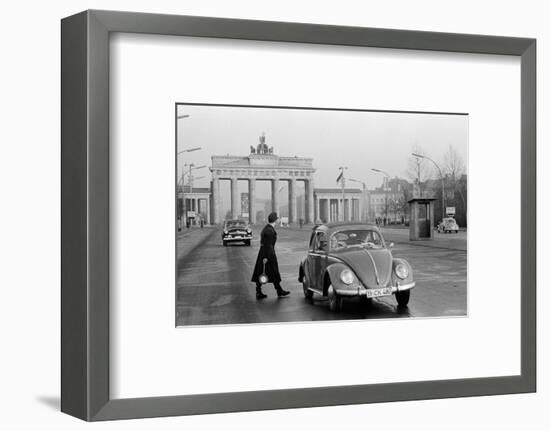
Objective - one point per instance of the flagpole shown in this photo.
(343, 180)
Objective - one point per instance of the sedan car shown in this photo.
(448, 224)
(352, 260)
(236, 231)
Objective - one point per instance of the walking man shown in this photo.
(266, 262)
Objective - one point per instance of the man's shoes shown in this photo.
(282, 293)
(260, 295)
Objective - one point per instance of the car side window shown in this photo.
(312, 241)
(321, 243)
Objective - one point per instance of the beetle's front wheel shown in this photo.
(308, 294)
(403, 298)
(334, 300)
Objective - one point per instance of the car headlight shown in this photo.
(249, 231)
(225, 232)
(347, 276)
(402, 271)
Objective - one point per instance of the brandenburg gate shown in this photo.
(262, 165)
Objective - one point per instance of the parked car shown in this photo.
(347, 260)
(236, 231)
(448, 224)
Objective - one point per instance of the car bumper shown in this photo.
(362, 291)
(237, 238)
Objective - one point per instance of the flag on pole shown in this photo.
(339, 177)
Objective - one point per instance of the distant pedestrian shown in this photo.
(202, 223)
(385, 221)
(301, 223)
(266, 262)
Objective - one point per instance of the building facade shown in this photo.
(195, 205)
(332, 205)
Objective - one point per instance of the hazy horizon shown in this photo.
(359, 140)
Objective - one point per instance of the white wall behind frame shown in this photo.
(151, 73)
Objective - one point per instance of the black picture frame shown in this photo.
(85, 214)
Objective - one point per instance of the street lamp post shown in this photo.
(190, 173)
(364, 216)
(179, 152)
(342, 180)
(181, 217)
(420, 156)
(386, 177)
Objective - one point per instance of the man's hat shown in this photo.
(272, 217)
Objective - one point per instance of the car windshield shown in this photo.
(235, 223)
(366, 238)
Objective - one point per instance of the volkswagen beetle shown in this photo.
(448, 224)
(353, 260)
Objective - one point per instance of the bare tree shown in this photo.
(418, 169)
(402, 204)
(453, 169)
(453, 165)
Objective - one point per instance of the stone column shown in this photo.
(309, 202)
(207, 204)
(235, 204)
(344, 207)
(292, 201)
(317, 215)
(215, 200)
(275, 195)
(252, 200)
(347, 210)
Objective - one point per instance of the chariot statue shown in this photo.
(262, 146)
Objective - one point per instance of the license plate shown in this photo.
(237, 237)
(376, 293)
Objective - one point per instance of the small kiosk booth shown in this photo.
(421, 225)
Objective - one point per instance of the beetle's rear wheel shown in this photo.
(334, 300)
(403, 298)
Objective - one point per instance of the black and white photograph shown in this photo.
(296, 214)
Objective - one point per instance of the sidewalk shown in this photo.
(188, 239)
(446, 241)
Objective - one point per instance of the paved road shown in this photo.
(213, 282)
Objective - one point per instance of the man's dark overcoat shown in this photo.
(268, 238)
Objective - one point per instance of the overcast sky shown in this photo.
(358, 140)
